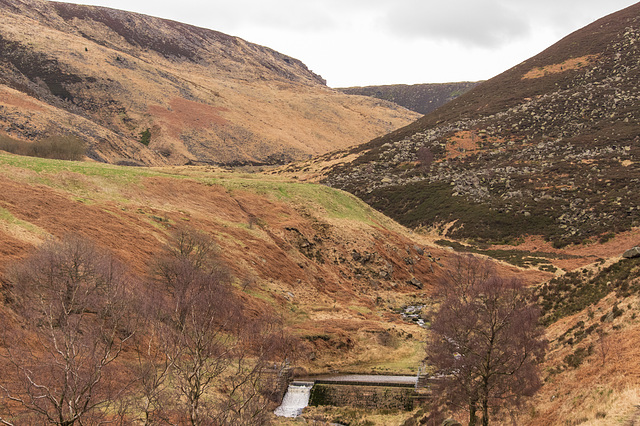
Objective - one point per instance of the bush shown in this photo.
(65, 147)
(145, 137)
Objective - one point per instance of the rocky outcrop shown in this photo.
(632, 253)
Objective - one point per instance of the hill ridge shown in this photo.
(421, 98)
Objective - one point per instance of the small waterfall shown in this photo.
(296, 398)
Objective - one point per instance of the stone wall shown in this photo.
(362, 396)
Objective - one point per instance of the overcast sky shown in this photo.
(371, 42)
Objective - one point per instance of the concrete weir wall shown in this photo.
(341, 395)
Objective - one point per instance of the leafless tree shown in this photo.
(485, 340)
(216, 354)
(73, 295)
(263, 353)
(152, 401)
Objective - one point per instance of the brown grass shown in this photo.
(184, 103)
(183, 115)
(568, 65)
(595, 393)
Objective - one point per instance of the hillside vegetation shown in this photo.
(139, 89)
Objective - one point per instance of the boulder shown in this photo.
(632, 253)
(415, 282)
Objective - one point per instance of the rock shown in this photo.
(415, 282)
(355, 255)
(632, 253)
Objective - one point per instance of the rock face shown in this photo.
(550, 147)
(197, 95)
(632, 253)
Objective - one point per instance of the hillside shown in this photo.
(152, 91)
(421, 98)
(548, 148)
(325, 261)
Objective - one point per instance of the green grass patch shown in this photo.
(337, 204)
(360, 309)
(6, 216)
(49, 166)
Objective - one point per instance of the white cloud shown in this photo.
(481, 23)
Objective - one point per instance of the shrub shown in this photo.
(575, 359)
(145, 137)
(57, 147)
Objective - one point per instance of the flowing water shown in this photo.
(296, 398)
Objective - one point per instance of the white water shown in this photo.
(296, 398)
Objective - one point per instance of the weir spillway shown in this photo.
(299, 391)
(294, 401)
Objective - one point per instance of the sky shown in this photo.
(375, 42)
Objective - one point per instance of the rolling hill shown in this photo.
(145, 90)
(326, 262)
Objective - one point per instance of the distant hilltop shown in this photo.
(421, 98)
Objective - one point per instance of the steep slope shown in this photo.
(196, 95)
(422, 98)
(550, 148)
(591, 373)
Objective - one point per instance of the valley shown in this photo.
(266, 228)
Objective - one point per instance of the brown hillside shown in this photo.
(107, 76)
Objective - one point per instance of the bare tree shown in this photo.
(217, 356)
(485, 340)
(152, 371)
(73, 296)
(261, 357)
